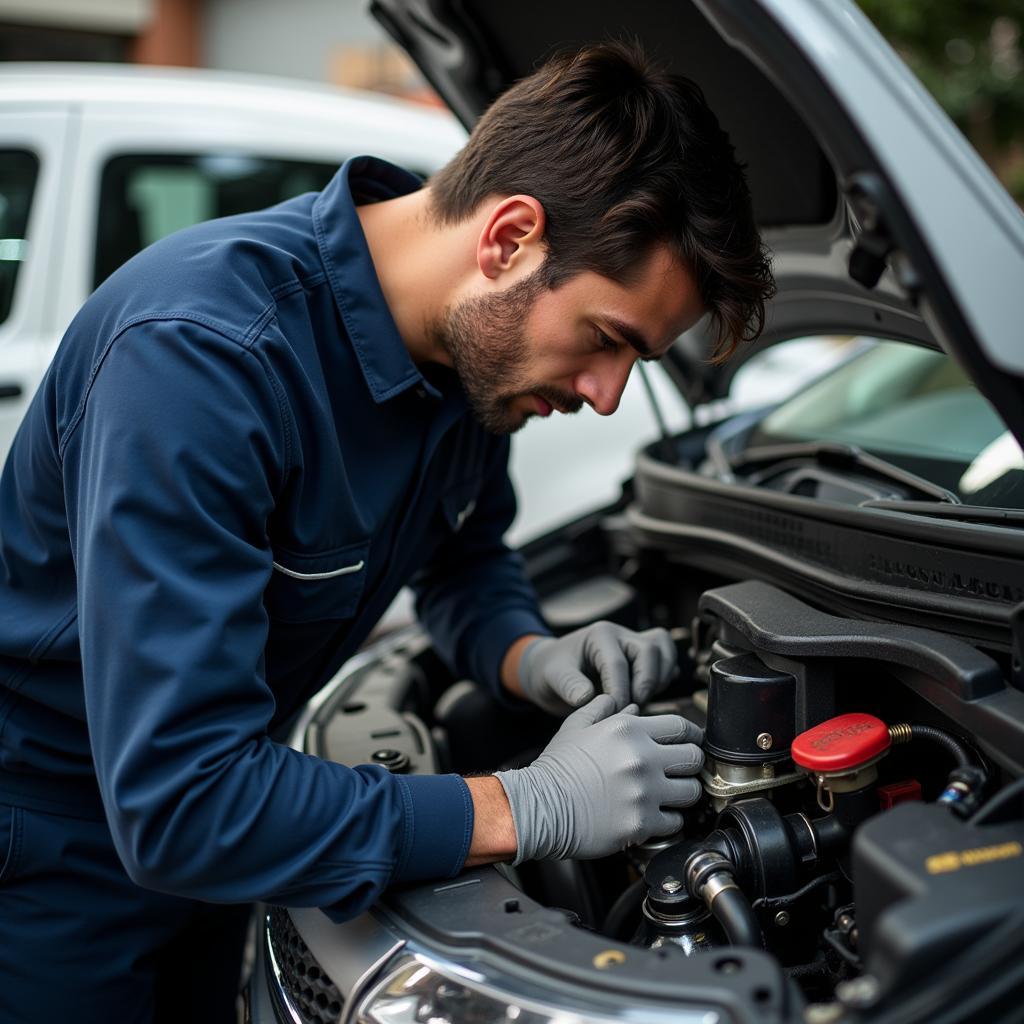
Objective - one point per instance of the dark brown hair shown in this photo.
(623, 156)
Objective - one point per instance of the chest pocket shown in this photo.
(317, 587)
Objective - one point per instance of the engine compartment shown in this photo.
(862, 828)
(830, 779)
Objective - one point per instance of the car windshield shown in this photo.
(916, 409)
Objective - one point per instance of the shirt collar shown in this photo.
(383, 357)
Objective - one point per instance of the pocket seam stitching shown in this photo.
(345, 570)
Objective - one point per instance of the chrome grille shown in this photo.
(309, 993)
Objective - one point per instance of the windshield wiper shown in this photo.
(961, 513)
(938, 502)
(840, 456)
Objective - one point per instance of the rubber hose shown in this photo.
(964, 758)
(1001, 806)
(625, 911)
(733, 912)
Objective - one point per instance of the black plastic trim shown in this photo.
(534, 942)
(952, 676)
(982, 537)
(775, 621)
(888, 560)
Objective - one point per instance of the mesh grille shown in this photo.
(310, 989)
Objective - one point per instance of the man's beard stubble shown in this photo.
(484, 339)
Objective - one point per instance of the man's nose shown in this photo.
(602, 389)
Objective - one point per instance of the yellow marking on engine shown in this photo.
(954, 860)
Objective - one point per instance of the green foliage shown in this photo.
(970, 55)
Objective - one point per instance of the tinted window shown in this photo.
(18, 173)
(143, 198)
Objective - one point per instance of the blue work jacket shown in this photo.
(231, 467)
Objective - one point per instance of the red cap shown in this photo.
(842, 743)
(898, 793)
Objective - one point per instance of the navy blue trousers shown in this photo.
(79, 941)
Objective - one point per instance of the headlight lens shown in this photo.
(416, 990)
(417, 993)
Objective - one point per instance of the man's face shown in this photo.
(529, 350)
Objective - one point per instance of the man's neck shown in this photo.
(419, 264)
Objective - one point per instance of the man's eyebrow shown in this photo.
(632, 335)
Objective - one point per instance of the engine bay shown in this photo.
(858, 850)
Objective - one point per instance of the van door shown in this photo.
(33, 203)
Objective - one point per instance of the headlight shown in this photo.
(416, 986)
(418, 990)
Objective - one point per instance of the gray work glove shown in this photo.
(603, 782)
(560, 674)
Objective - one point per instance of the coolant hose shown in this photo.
(731, 909)
(966, 781)
(947, 741)
(711, 877)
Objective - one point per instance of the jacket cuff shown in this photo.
(491, 644)
(437, 829)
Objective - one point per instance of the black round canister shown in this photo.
(751, 711)
(394, 760)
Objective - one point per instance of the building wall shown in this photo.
(295, 39)
(171, 36)
(118, 16)
(142, 31)
(322, 40)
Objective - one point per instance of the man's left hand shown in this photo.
(560, 674)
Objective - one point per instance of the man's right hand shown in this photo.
(605, 780)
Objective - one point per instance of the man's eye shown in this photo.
(608, 344)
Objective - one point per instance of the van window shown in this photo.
(144, 197)
(18, 173)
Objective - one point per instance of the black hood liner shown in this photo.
(470, 52)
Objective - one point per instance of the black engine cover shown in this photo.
(927, 885)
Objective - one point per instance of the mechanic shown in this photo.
(252, 435)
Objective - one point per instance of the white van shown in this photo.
(97, 162)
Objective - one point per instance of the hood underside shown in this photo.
(471, 52)
(784, 84)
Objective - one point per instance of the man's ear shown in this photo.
(511, 237)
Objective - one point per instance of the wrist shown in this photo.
(511, 665)
(531, 791)
(494, 833)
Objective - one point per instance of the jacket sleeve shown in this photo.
(473, 595)
(171, 468)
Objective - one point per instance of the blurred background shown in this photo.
(99, 165)
(967, 52)
(334, 41)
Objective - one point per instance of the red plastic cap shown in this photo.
(842, 743)
(898, 793)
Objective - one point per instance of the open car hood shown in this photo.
(882, 218)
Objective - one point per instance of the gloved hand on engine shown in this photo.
(604, 781)
(559, 674)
